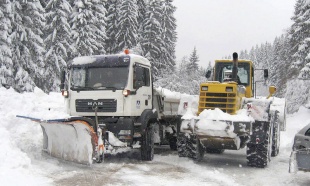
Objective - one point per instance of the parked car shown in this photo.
(302, 138)
(300, 156)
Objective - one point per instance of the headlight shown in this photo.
(204, 88)
(229, 89)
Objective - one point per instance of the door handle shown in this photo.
(306, 139)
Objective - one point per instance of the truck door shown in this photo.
(142, 85)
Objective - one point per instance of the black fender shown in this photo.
(147, 117)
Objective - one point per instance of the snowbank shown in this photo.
(21, 140)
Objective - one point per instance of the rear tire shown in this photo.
(147, 144)
(276, 135)
(258, 155)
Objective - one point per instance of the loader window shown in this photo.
(223, 72)
(99, 78)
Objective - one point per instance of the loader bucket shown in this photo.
(72, 139)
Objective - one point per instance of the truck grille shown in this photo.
(103, 105)
(224, 101)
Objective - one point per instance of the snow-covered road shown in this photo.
(22, 162)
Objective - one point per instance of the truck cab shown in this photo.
(109, 83)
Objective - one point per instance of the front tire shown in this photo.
(196, 148)
(182, 145)
(147, 144)
(259, 155)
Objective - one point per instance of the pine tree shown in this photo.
(141, 4)
(192, 67)
(169, 34)
(112, 7)
(34, 21)
(88, 27)
(299, 34)
(6, 64)
(58, 40)
(152, 42)
(127, 32)
(27, 44)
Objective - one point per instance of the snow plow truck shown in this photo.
(229, 117)
(113, 105)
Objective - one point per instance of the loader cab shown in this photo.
(223, 73)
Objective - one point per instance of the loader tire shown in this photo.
(258, 155)
(182, 145)
(214, 151)
(276, 134)
(147, 144)
(197, 151)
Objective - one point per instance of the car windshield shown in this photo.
(224, 72)
(99, 78)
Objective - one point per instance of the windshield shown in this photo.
(224, 72)
(99, 78)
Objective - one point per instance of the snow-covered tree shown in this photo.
(58, 40)
(141, 4)
(152, 42)
(112, 7)
(27, 43)
(299, 34)
(34, 21)
(127, 32)
(88, 27)
(193, 62)
(169, 34)
(6, 63)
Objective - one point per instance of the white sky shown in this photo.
(220, 27)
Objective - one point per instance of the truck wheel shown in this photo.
(276, 135)
(214, 151)
(182, 145)
(173, 143)
(197, 151)
(147, 144)
(258, 155)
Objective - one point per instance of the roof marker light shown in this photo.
(126, 51)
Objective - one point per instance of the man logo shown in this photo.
(94, 103)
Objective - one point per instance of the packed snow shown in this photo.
(23, 162)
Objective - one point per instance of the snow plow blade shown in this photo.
(300, 161)
(73, 139)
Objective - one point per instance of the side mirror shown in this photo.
(62, 79)
(208, 74)
(265, 73)
(272, 90)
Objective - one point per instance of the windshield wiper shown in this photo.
(106, 88)
(81, 88)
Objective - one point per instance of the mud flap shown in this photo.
(72, 139)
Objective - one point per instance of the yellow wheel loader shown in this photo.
(229, 117)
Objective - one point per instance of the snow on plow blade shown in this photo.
(72, 139)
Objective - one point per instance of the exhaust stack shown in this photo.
(235, 67)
